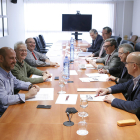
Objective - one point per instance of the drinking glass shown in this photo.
(83, 104)
(64, 76)
(76, 54)
(61, 84)
(82, 128)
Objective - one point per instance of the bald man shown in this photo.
(8, 82)
(37, 59)
(132, 87)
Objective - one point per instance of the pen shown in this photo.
(67, 97)
(96, 96)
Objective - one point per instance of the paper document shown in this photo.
(73, 72)
(87, 89)
(89, 66)
(66, 99)
(84, 53)
(86, 79)
(97, 77)
(37, 76)
(82, 44)
(43, 94)
(92, 97)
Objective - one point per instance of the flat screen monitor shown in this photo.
(71, 22)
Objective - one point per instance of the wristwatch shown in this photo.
(116, 80)
(30, 86)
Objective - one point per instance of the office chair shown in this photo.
(117, 38)
(137, 47)
(44, 44)
(127, 41)
(133, 38)
(39, 46)
(138, 40)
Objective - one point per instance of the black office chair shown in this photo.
(137, 47)
(39, 46)
(44, 44)
(117, 38)
(127, 41)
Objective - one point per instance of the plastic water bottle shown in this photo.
(66, 68)
(71, 50)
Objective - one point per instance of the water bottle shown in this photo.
(66, 68)
(71, 50)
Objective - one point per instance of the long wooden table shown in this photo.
(26, 122)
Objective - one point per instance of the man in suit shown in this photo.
(111, 59)
(106, 33)
(120, 73)
(96, 41)
(132, 87)
(35, 58)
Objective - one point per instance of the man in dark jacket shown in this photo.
(96, 42)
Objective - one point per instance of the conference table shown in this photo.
(25, 122)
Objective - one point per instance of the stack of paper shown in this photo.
(87, 89)
(97, 77)
(92, 97)
(66, 99)
(73, 72)
(43, 94)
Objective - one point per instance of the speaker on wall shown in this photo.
(14, 1)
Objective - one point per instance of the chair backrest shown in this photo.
(37, 48)
(42, 41)
(133, 38)
(137, 47)
(117, 38)
(127, 41)
(138, 40)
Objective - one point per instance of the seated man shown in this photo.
(111, 59)
(132, 87)
(120, 71)
(8, 82)
(22, 70)
(35, 58)
(96, 41)
(106, 33)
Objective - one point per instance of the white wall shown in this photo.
(126, 27)
(15, 13)
(136, 18)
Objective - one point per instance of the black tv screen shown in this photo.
(71, 22)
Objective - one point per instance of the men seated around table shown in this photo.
(96, 42)
(120, 73)
(111, 59)
(8, 82)
(36, 59)
(106, 33)
(132, 87)
(22, 70)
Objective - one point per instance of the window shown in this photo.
(46, 17)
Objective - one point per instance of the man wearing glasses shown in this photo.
(132, 87)
(22, 70)
(111, 59)
(120, 73)
(35, 58)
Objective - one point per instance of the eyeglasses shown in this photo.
(104, 33)
(31, 42)
(22, 50)
(106, 46)
(119, 53)
(126, 63)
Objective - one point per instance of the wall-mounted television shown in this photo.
(76, 22)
